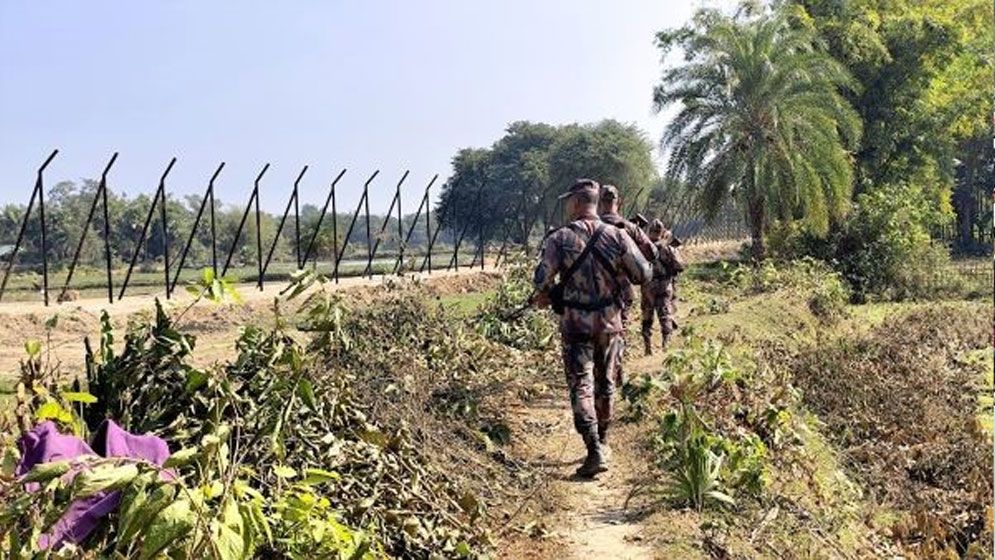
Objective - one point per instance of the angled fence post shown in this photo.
(241, 224)
(438, 229)
(383, 227)
(428, 227)
(145, 230)
(38, 192)
(165, 231)
(283, 219)
(208, 199)
(399, 264)
(459, 240)
(363, 200)
(97, 195)
(107, 232)
(317, 228)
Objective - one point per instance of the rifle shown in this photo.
(519, 311)
(639, 220)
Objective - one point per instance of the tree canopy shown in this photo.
(761, 120)
(511, 186)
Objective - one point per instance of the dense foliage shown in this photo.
(761, 120)
(337, 433)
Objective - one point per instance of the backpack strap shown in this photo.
(588, 247)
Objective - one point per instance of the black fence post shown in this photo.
(214, 232)
(369, 240)
(459, 240)
(383, 227)
(283, 219)
(86, 229)
(399, 265)
(321, 218)
(259, 237)
(428, 227)
(107, 231)
(165, 231)
(145, 231)
(24, 224)
(335, 233)
(241, 224)
(208, 199)
(363, 200)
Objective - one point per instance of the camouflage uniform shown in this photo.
(649, 252)
(658, 294)
(591, 324)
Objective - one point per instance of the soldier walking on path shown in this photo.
(658, 294)
(588, 255)
(609, 203)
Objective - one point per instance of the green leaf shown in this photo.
(33, 348)
(169, 527)
(463, 549)
(181, 457)
(283, 471)
(305, 390)
(139, 504)
(52, 410)
(720, 497)
(319, 476)
(196, 378)
(78, 396)
(46, 471)
(103, 477)
(52, 322)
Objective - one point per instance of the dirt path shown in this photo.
(586, 519)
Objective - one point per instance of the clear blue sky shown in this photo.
(392, 85)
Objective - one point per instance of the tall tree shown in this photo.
(761, 119)
(924, 69)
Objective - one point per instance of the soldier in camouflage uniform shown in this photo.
(658, 294)
(609, 202)
(591, 322)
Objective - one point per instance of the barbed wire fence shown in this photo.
(465, 236)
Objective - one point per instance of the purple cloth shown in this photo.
(45, 444)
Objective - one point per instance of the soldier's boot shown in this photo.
(647, 346)
(595, 462)
(606, 450)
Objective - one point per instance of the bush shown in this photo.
(883, 250)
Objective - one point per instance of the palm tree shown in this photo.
(762, 120)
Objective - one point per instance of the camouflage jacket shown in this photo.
(592, 282)
(668, 263)
(642, 241)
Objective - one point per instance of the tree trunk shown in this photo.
(757, 216)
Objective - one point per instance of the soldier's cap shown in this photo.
(656, 226)
(609, 192)
(582, 186)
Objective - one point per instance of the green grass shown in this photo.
(467, 304)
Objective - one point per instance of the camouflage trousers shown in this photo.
(658, 301)
(591, 363)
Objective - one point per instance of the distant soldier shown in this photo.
(608, 208)
(658, 294)
(588, 256)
